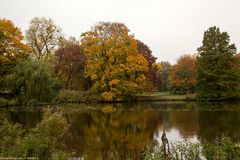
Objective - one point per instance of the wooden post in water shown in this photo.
(165, 144)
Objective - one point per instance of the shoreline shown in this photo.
(135, 99)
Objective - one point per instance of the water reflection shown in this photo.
(28, 117)
(122, 131)
(174, 135)
(213, 124)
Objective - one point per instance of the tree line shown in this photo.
(108, 61)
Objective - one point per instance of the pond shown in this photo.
(122, 131)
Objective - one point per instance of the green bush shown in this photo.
(41, 142)
(10, 137)
(223, 148)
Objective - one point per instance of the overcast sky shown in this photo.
(169, 27)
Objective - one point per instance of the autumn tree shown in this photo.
(154, 79)
(43, 36)
(12, 49)
(70, 64)
(113, 63)
(217, 68)
(182, 75)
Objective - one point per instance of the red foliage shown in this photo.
(151, 74)
(69, 64)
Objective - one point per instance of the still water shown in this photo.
(122, 131)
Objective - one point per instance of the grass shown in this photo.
(164, 96)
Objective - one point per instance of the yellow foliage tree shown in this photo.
(11, 47)
(113, 63)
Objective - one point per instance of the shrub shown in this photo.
(177, 151)
(41, 142)
(223, 148)
(10, 137)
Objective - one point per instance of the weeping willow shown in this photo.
(33, 81)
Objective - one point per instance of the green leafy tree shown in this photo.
(113, 64)
(237, 68)
(166, 66)
(217, 69)
(33, 81)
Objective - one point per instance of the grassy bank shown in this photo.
(68, 96)
(164, 96)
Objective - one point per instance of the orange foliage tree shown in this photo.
(182, 75)
(11, 47)
(113, 63)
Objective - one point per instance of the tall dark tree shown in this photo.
(69, 65)
(217, 71)
(237, 66)
(151, 74)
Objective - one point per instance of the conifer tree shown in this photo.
(217, 71)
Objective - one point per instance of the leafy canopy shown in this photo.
(152, 74)
(33, 81)
(218, 73)
(70, 64)
(182, 76)
(113, 63)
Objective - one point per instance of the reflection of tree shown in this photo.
(214, 123)
(185, 121)
(122, 134)
(209, 120)
(125, 131)
(28, 118)
(121, 131)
